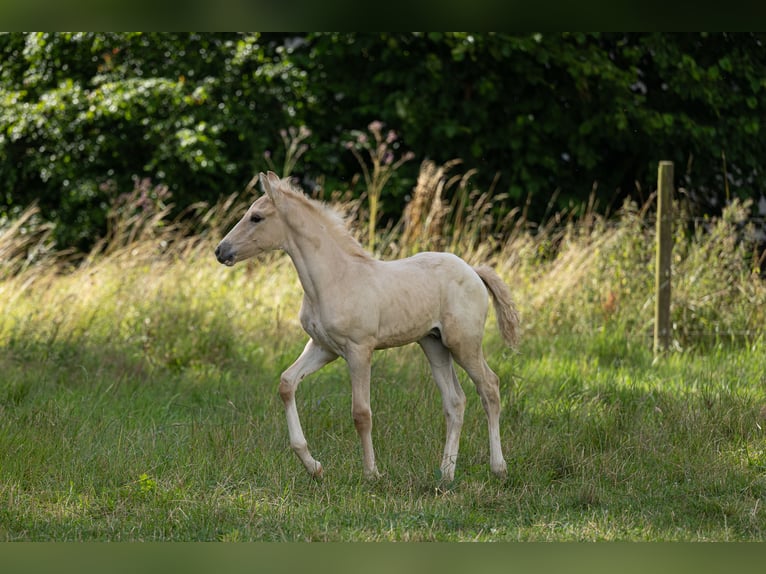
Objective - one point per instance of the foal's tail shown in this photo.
(505, 310)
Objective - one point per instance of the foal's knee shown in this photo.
(286, 389)
(362, 418)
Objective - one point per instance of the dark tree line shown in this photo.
(87, 117)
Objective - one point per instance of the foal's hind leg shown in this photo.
(311, 359)
(471, 358)
(453, 400)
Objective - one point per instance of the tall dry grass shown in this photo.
(25, 242)
(582, 274)
(151, 291)
(586, 273)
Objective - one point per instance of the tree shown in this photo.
(557, 114)
(84, 115)
(548, 118)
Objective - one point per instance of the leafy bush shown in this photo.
(84, 114)
(546, 120)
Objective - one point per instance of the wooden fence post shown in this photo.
(664, 253)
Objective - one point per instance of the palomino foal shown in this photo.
(354, 304)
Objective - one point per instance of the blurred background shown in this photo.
(543, 121)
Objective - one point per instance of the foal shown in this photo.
(354, 304)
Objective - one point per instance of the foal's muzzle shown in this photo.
(225, 254)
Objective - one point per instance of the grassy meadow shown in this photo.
(138, 388)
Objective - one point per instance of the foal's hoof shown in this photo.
(372, 474)
(444, 478)
(501, 472)
(316, 473)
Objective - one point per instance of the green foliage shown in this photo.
(548, 118)
(84, 114)
(557, 112)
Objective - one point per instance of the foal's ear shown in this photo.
(273, 178)
(272, 186)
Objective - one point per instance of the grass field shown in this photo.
(138, 400)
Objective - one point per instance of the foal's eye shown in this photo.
(256, 217)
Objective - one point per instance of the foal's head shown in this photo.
(261, 229)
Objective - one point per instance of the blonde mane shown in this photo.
(335, 224)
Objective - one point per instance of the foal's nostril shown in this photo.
(224, 253)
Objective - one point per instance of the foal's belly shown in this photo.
(397, 338)
(403, 325)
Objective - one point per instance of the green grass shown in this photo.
(601, 443)
(138, 396)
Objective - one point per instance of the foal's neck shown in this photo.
(321, 251)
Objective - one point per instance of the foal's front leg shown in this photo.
(311, 359)
(359, 361)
